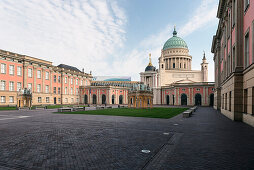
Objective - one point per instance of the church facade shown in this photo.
(174, 82)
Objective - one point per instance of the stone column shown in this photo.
(25, 67)
(42, 78)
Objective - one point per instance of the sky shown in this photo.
(107, 37)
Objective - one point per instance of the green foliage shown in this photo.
(164, 113)
(8, 108)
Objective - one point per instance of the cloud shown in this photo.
(136, 61)
(82, 33)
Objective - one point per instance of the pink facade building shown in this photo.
(233, 48)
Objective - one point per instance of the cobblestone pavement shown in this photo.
(43, 140)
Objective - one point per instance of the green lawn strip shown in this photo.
(164, 113)
(60, 106)
(8, 108)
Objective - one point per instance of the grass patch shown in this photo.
(164, 113)
(8, 108)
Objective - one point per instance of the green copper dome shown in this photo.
(175, 42)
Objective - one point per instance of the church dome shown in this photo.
(175, 42)
(150, 66)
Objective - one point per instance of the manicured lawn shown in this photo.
(7, 108)
(164, 113)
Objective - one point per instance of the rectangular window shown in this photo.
(59, 90)
(54, 78)
(76, 91)
(47, 89)
(29, 86)
(246, 4)
(2, 99)
(3, 68)
(72, 100)
(234, 13)
(66, 100)
(38, 88)
(71, 80)
(65, 90)
(19, 71)
(39, 99)
(38, 74)
(77, 82)
(30, 72)
(19, 86)
(47, 99)
(71, 90)
(65, 80)
(59, 100)
(246, 50)
(3, 85)
(54, 90)
(233, 64)
(11, 99)
(245, 100)
(59, 79)
(11, 69)
(11, 86)
(47, 75)
(81, 83)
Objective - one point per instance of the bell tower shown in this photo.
(204, 69)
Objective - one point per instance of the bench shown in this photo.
(40, 107)
(194, 108)
(187, 113)
(100, 107)
(78, 108)
(65, 109)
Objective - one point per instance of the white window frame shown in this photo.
(3, 99)
(38, 74)
(19, 86)
(19, 71)
(3, 68)
(11, 99)
(47, 88)
(30, 86)
(71, 91)
(65, 90)
(30, 72)
(47, 99)
(71, 80)
(38, 88)
(65, 80)
(3, 85)
(11, 69)
(76, 81)
(39, 100)
(47, 75)
(11, 85)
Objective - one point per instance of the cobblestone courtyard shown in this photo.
(43, 140)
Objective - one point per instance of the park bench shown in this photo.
(65, 109)
(100, 107)
(187, 113)
(194, 108)
(40, 107)
(78, 108)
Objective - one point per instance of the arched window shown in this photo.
(183, 99)
(198, 99)
(103, 99)
(121, 99)
(94, 99)
(86, 99)
(113, 99)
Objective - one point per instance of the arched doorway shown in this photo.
(198, 99)
(103, 99)
(113, 99)
(211, 99)
(121, 99)
(86, 99)
(183, 99)
(173, 99)
(167, 99)
(94, 99)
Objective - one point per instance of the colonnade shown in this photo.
(178, 63)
